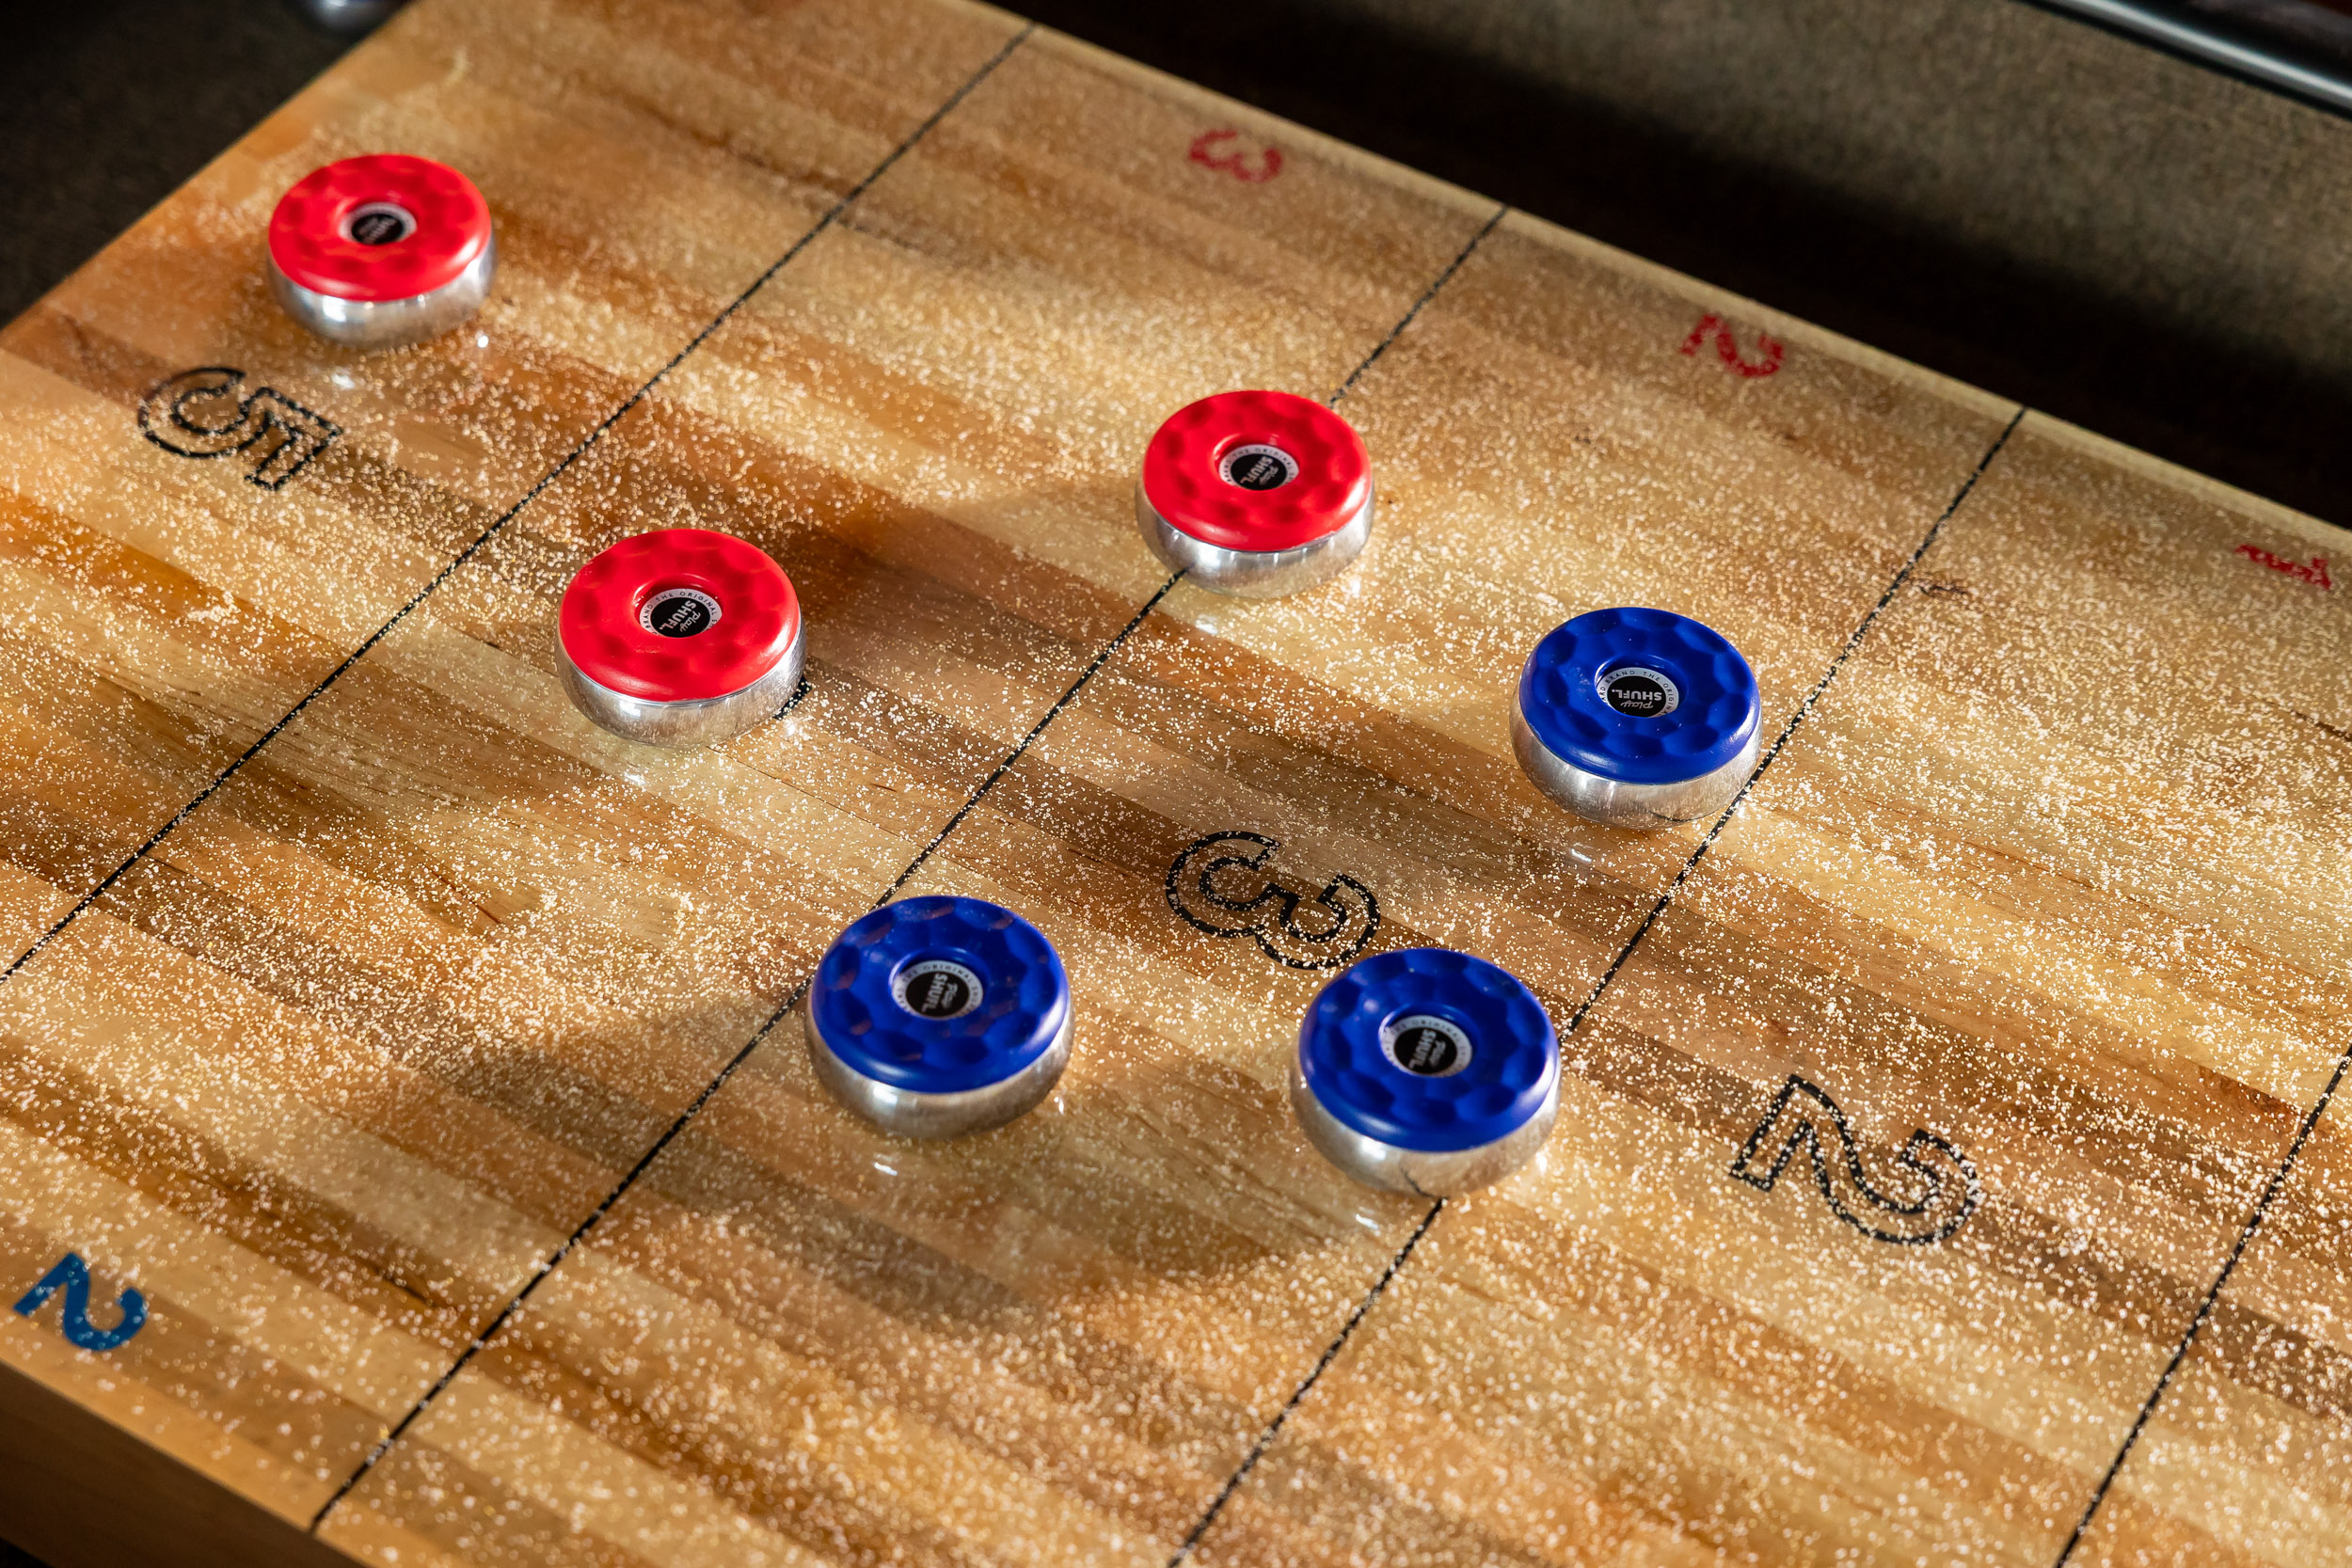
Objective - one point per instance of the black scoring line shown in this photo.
(586, 444)
(1101, 658)
(549, 1265)
(596, 1216)
(2204, 1310)
(1103, 655)
(1427, 296)
(694, 1107)
(1804, 710)
(1331, 1353)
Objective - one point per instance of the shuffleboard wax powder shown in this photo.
(1637, 717)
(938, 1016)
(679, 637)
(382, 250)
(1427, 1070)
(1256, 494)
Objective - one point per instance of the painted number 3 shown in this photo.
(1766, 358)
(1221, 150)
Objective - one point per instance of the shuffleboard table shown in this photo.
(407, 1147)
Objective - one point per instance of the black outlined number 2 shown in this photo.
(1804, 1117)
(207, 412)
(71, 1275)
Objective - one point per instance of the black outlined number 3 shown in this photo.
(1223, 885)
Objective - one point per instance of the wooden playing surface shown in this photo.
(426, 1059)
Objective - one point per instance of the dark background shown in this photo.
(108, 106)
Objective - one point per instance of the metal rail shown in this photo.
(2288, 46)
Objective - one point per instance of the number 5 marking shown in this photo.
(72, 1273)
(207, 412)
(1237, 163)
(1768, 350)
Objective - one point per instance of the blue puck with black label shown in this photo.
(936, 1016)
(1427, 1070)
(1637, 717)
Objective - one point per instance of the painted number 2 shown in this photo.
(1804, 1117)
(1766, 358)
(1211, 150)
(73, 1275)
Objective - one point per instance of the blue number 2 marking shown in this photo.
(73, 1274)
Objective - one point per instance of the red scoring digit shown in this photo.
(1768, 350)
(2315, 573)
(1266, 164)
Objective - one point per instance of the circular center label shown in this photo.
(936, 988)
(1639, 693)
(1258, 468)
(1426, 1046)
(379, 223)
(679, 613)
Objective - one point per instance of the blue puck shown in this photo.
(940, 1015)
(1638, 717)
(1427, 1070)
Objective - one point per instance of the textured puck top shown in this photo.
(677, 615)
(381, 228)
(938, 995)
(1429, 1050)
(1641, 696)
(1258, 471)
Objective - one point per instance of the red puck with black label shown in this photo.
(382, 250)
(680, 636)
(1256, 493)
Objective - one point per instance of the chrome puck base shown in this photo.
(379, 323)
(909, 1114)
(697, 722)
(1440, 1173)
(1254, 574)
(1617, 804)
(348, 16)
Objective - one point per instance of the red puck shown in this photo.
(380, 226)
(1256, 493)
(681, 635)
(1257, 470)
(385, 227)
